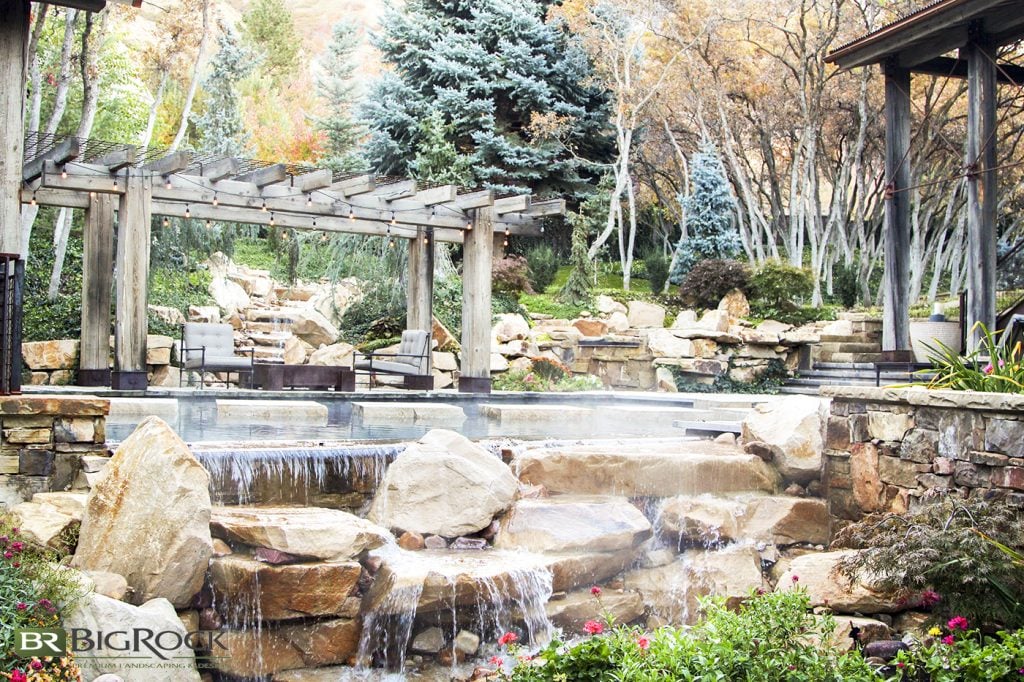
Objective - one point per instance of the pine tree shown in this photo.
(220, 124)
(269, 31)
(492, 69)
(437, 160)
(336, 85)
(577, 288)
(710, 216)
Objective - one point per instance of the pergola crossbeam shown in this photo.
(478, 199)
(175, 162)
(117, 159)
(516, 204)
(65, 151)
(360, 184)
(220, 169)
(402, 189)
(261, 177)
(437, 195)
(307, 182)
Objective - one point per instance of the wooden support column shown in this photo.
(97, 281)
(420, 292)
(896, 300)
(476, 304)
(982, 191)
(133, 235)
(14, 16)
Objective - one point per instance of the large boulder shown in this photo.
(735, 304)
(45, 525)
(791, 428)
(510, 327)
(818, 574)
(306, 532)
(664, 344)
(315, 329)
(606, 305)
(443, 485)
(97, 613)
(644, 315)
(701, 520)
(573, 610)
(262, 652)
(39, 355)
(570, 523)
(707, 520)
(229, 296)
(333, 301)
(334, 355)
(148, 517)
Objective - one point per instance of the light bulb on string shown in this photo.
(391, 242)
(469, 225)
(115, 183)
(309, 200)
(33, 201)
(271, 219)
(63, 173)
(351, 214)
(168, 184)
(393, 220)
(188, 211)
(314, 222)
(208, 224)
(264, 206)
(216, 202)
(167, 223)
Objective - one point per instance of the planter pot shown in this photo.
(927, 331)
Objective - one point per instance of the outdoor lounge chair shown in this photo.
(412, 361)
(211, 348)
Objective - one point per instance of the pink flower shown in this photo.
(930, 598)
(957, 623)
(596, 591)
(21, 606)
(508, 638)
(643, 643)
(8, 554)
(795, 578)
(988, 369)
(17, 546)
(948, 639)
(18, 676)
(15, 531)
(593, 627)
(36, 665)
(901, 664)
(495, 660)
(46, 604)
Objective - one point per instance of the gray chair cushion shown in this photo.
(218, 363)
(389, 366)
(219, 341)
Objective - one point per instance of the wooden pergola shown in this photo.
(103, 178)
(921, 42)
(106, 179)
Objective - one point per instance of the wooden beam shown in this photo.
(133, 236)
(420, 291)
(360, 184)
(60, 154)
(219, 169)
(476, 300)
(516, 204)
(479, 199)
(546, 208)
(528, 229)
(175, 162)
(396, 190)
(55, 197)
(437, 195)
(1006, 74)
(97, 281)
(87, 5)
(82, 177)
(261, 177)
(982, 191)
(896, 301)
(306, 182)
(117, 159)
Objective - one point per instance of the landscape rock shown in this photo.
(40, 355)
(295, 351)
(162, 549)
(108, 584)
(510, 327)
(664, 344)
(570, 523)
(429, 641)
(702, 520)
(229, 296)
(443, 485)
(45, 525)
(307, 532)
(792, 430)
(203, 313)
(334, 355)
(644, 315)
(96, 612)
(171, 316)
(666, 380)
(572, 611)
(466, 642)
(735, 305)
(591, 327)
(617, 322)
(854, 631)
(606, 305)
(332, 301)
(817, 573)
(315, 329)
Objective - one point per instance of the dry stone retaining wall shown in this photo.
(887, 448)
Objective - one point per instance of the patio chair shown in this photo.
(412, 361)
(210, 347)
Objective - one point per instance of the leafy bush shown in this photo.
(780, 285)
(61, 318)
(957, 654)
(179, 289)
(542, 266)
(846, 284)
(380, 313)
(792, 315)
(34, 590)
(989, 367)
(770, 638)
(509, 276)
(769, 381)
(656, 269)
(448, 303)
(942, 547)
(711, 279)
(546, 375)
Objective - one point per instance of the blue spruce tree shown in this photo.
(336, 85)
(491, 69)
(220, 125)
(710, 216)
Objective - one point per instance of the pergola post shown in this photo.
(896, 312)
(420, 290)
(133, 236)
(477, 250)
(981, 189)
(97, 278)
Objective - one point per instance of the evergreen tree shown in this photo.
(437, 160)
(269, 31)
(577, 287)
(220, 124)
(493, 69)
(710, 216)
(337, 86)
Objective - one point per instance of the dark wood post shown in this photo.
(130, 327)
(896, 297)
(478, 247)
(982, 191)
(420, 290)
(97, 280)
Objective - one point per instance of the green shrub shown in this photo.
(963, 655)
(792, 315)
(380, 313)
(769, 381)
(846, 284)
(711, 279)
(770, 638)
(542, 266)
(61, 318)
(780, 286)
(35, 590)
(989, 367)
(656, 270)
(546, 375)
(448, 303)
(942, 548)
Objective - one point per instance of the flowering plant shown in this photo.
(960, 654)
(989, 367)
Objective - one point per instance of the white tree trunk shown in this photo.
(187, 109)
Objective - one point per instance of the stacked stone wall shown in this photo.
(886, 449)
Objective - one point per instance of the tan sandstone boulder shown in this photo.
(792, 430)
(570, 523)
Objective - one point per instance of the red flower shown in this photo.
(508, 638)
(8, 554)
(957, 623)
(21, 606)
(46, 604)
(930, 598)
(37, 665)
(948, 639)
(596, 591)
(795, 578)
(17, 546)
(18, 676)
(495, 660)
(901, 664)
(643, 643)
(593, 627)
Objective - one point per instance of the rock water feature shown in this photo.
(411, 560)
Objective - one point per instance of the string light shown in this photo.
(469, 225)
(92, 195)
(393, 220)
(216, 202)
(314, 224)
(208, 224)
(264, 206)
(391, 242)
(167, 223)
(168, 184)
(309, 200)
(115, 183)
(351, 214)
(505, 243)
(63, 173)
(188, 211)
(33, 201)
(426, 241)
(542, 229)
(271, 219)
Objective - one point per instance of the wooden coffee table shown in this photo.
(279, 377)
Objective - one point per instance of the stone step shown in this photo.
(695, 428)
(850, 338)
(272, 411)
(276, 338)
(844, 365)
(850, 357)
(848, 347)
(646, 468)
(272, 315)
(267, 327)
(799, 390)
